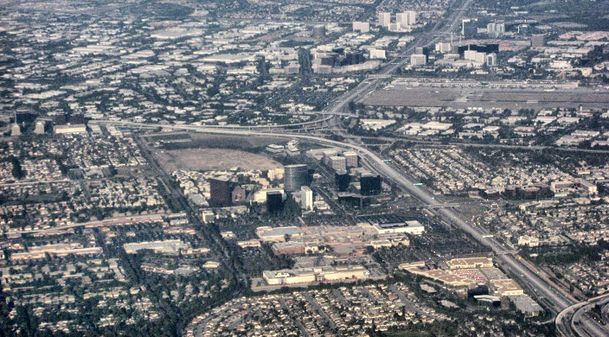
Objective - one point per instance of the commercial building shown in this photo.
(491, 59)
(306, 198)
(295, 176)
(469, 27)
(370, 184)
(506, 287)
(384, 19)
(475, 56)
(274, 202)
(278, 234)
(15, 130)
(526, 305)
(342, 180)
(39, 128)
(362, 27)
(418, 60)
(352, 159)
(338, 163)
(307, 276)
(412, 227)
(70, 129)
(378, 54)
(406, 19)
(220, 192)
(470, 262)
(160, 247)
(444, 47)
(495, 29)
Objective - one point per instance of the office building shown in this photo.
(491, 59)
(15, 130)
(39, 128)
(220, 192)
(370, 184)
(444, 47)
(352, 159)
(306, 198)
(483, 48)
(274, 202)
(406, 19)
(360, 26)
(384, 19)
(475, 56)
(418, 60)
(495, 28)
(377, 54)
(338, 163)
(342, 179)
(295, 176)
(70, 129)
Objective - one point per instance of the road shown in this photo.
(441, 29)
(213, 238)
(479, 145)
(556, 298)
(575, 320)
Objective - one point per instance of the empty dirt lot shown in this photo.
(207, 159)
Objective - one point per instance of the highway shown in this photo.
(575, 320)
(553, 296)
(441, 29)
(480, 145)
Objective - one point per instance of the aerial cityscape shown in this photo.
(365, 168)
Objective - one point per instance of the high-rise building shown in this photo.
(370, 184)
(220, 192)
(351, 158)
(406, 19)
(338, 163)
(377, 54)
(39, 128)
(15, 130)
(342, 179)
(384, 19)
(360, 26)
(475, 56)
(418, 60)
(295, 176)
(274, 202)
(306, 198)
(495, 28)
(491, 59)
(444, 47)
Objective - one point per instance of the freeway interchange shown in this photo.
(572, 317)
(552, 295)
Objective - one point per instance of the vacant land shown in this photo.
(206, 159)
